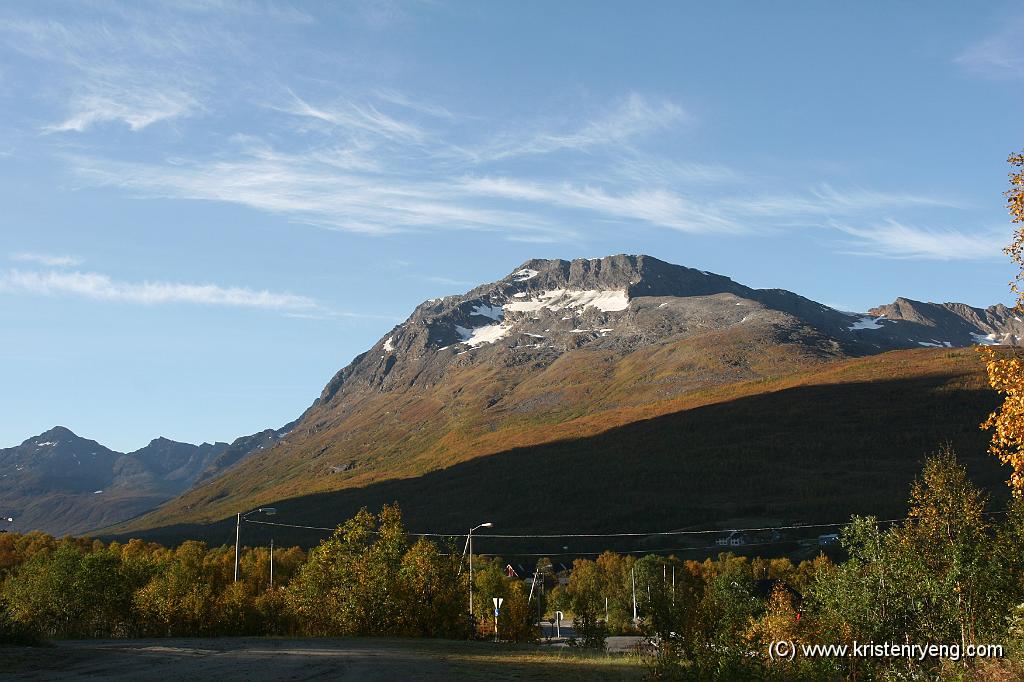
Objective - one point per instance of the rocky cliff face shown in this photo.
(547, 308)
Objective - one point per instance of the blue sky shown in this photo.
(210, 207)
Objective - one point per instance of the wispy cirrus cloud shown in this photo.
(304, 189)
(893, 239)
(827, 200)
(136, 108)
(636, 115)
(101, 287)
(355, 118)
(655, 206)
(999, 55)
(406, 102)
(48, 259)
(91, 81)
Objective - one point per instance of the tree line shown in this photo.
(368, 578)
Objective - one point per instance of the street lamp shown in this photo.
(469, 543)
(269, 511)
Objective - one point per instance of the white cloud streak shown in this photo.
(93, 81)
(101, 287)
(138, 108)
(48, 259)
(1000, 55)
(893, 239)
(355, 118)
(657, 206)
(634, 117)
(307, 191)
(826, 200)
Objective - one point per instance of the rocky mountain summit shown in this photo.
(546, 308)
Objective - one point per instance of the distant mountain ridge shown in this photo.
(949, 324)
(60, 483)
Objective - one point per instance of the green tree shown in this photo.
(587, 603)
(180, 598)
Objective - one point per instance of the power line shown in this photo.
(595, 535)
(633, 551)
(292, 525)
(671, 533)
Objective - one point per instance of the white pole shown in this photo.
(470, 571)
(632, 576)
(238, 541)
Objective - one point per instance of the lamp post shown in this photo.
(269, 511)
(469, 540)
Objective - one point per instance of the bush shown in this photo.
(16, 633)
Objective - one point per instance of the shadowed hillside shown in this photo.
(814, 447)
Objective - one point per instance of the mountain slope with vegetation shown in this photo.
(811, 446)
(561, 350)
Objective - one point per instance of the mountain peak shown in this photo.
(634, 274)
(57, 433)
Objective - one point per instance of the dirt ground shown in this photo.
(256, 659)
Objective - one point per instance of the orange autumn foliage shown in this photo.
(1006, 375)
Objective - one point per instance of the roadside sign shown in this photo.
(497, 612)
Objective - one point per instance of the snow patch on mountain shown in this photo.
(867, 323)
(496, 313)
(985, 339)
(481, 335)
(524, 274)
(388, 346)
(558, 299)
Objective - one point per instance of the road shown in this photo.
(621, 644)
(258, 659)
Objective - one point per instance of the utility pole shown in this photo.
(238, 541)
(271, 563)
(469, 546)
(269, 511)
(632, 577)
(673, 584)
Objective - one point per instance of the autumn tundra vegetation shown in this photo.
(950, 573)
